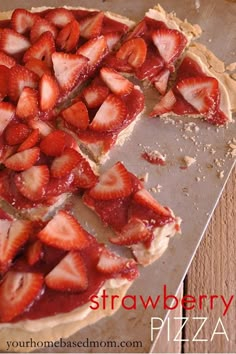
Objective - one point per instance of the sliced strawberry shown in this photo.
(170, 43)
(110, 115)
(68, 36)
(145, 199)
(132, 233)
(7, 113)
(161, 80)
(58, 186)
(5, 216)
(30, 141)
(134, 51)
(59, 17)
(48, 92)
(5, 150)
(165, 104)
(14, 235)
(116, 82)
(22, 160)
(202, 93)
(114, 183)
(56, 142)
(84, 177)
(23, 20)
(42, 49)
(64, 232)
(69, 275)
(95, 50)
(21, 77)
(4, 75)
(77, 115)
(67, 68)
(112, 39)
(6, 60)
(38, 67)
(95, 95)
(139, 30)
(16, 133)
(91, 26)
(32, 182)
(27, 106)
(120, 65)
(40, 26)
(64, 164)
(17, 292)
(34, 252)
(13, 43)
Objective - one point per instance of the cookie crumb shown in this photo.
(221, 174)
(189, 160)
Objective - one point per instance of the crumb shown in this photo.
(144, 177)
(198, 179)
(156, 189)
(189, 160)
(221, 174)
(154, 157)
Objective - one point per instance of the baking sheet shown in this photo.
(193, 200)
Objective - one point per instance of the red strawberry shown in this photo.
(6, 60)
(48, 92)
(22, 160)
(42, 49)
(56, 142)
(13, 43)
(64, 232)
(84, 176)
(5, 216)
(134, 232)
(40, 26)
(114, 183)
(95, 50)
(5, 150)
(201, 92)
(30, 141)
(39, 67)
(23, 20)
(21, 77)
(16, 133)
(139, 30)
(58, 186)
(165, 104)
(91, 26)
(32, 182)
(68, 36)
(64, 164)
(69, 275)
(161, 80)
(27, 106)
(7, 113)
(43, 127)
(77, 115)
(145, 199)
(112, 39)
(4, 75)
(116, 82)
(110, 115)
(95, 95)
(17, 292)
(134, 51)
(170, 43)
(67, 68)
(14, 235)
(34, 252)
(59, 17)
(120, 65)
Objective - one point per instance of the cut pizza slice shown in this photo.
(138, 220)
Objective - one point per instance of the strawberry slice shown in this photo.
(91, 26)
(7, 113)
(95, 95)
(114, 183)
(170, 43)
(77, 115)
(56, 142)
(160, 81)
(202, 93)
(48, 92)
(5, 216)
(165, 104)
(30, 141)
(145, 199)
(43, 127)
(68, 36)
(132, 233)
(16, 133)
(95, 50)
(4, 75)
(17, 292)
(32, 182)
(134, 51)
(64, 232)
(5, 150)
(40, 26)
(39, 67)
(67, 68)
(14, 235)
(6, 60)
(116, 82)
(59, 17)
(64, 164)
(84, 177)
(70, 274)
(13, 43)
(34, 252)
(42, 49)
(112, 39)
(58, 186)
(21, 77)
(110, 115)
(23, 20)
(23, 160)
(27, 106)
